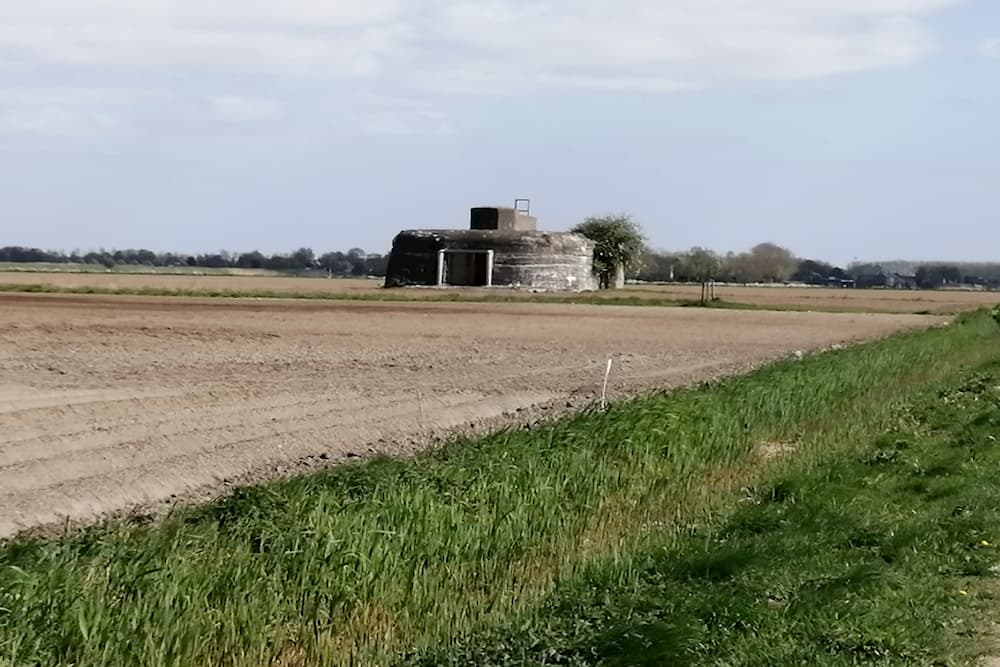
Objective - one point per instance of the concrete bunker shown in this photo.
(501, 248)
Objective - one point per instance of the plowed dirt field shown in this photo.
(108, 404)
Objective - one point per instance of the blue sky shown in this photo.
(842, 129)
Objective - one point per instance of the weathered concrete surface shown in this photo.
(498, 218)
(537, 260)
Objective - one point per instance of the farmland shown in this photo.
(115, 402)
(828, 508)
(794, 298)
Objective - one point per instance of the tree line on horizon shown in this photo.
(771, 263)
(354, 262)
(622, 248)
(764, 263)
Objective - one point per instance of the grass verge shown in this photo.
(424, 560)
(389, 295)
(624, 297)
(887, 553)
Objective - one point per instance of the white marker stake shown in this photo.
(604, 391)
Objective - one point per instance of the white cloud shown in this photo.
(643, 45)
(456, 45)
(990, 48)
(294, 37)
(425, 48)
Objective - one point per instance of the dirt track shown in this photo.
(108, 403)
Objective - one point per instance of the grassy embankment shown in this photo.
(879, 549)
(827, 510)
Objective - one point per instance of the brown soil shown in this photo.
(838, 300)
(193, 282)
(888, 301)
(112, 403)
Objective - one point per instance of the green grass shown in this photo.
(427, 560)
(407, 295)
(393, 295)
(498, 295)
(885, 552)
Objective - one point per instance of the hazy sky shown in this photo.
(840, 128)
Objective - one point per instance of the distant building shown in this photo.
(901, 281)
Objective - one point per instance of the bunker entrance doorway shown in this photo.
(465, 268)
